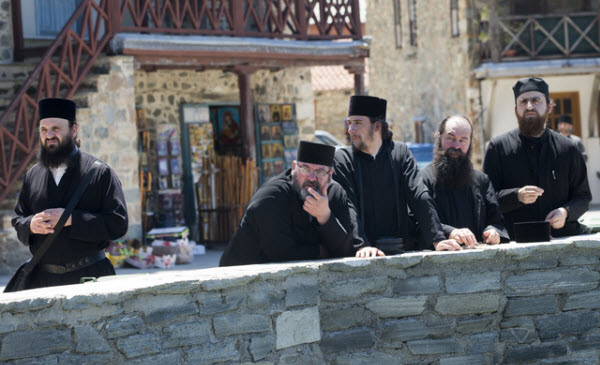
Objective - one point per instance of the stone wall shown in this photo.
(430, 80)
(160, 93)
(6, 34)
(331, 110)
(108, 130)
(514, 303)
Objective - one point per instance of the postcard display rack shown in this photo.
(277, 136)
(170, 198)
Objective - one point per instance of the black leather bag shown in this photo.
(20, 278)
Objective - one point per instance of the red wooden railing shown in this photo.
(69, 58)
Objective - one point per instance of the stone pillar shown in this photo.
(6, 33)
(359, 79)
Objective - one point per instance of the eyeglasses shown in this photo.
(318, 173)
(534, 101)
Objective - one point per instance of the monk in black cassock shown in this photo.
(100, 215)
(537, 173)
(298, 215)
(382, 181)
(464, 197)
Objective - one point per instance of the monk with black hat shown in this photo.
(538, 174)
(382, 181)
(300, 214)
(99, 217)
(564, 126)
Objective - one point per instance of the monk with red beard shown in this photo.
(464, 197)
(539, 174)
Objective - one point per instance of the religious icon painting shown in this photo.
(276, 132)
(266, 151)
(176, 181)
(268, 169)
(265, 133)
(163, 167)
(264, 113)
(228, 122)
(286, 112)
(278, 167)
(277, 150)
(275, 113)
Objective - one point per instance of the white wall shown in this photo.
(499, 115)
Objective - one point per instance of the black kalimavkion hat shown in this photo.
(532, 231)
(56, 108)
(565, 119)
(369, 106)
(317, 153)
(531, 84)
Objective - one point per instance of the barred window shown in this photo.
(398, 23)
(412, 21)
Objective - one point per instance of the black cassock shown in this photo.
(276, 228)
(100, 216)
(551, 162)
(389, 184)
(474, 207)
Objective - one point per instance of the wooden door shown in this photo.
(566, 103)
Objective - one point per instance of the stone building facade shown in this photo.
(429, 79)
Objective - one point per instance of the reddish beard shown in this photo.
(530, 125)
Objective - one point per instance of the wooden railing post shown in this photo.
(114, 16)
(237, 11)
(302, 19)
(357, 31)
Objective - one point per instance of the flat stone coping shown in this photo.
(536, 68)
(161, 42)
(177, 282)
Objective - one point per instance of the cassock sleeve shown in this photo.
(275, 234)
(419, 200)
(508, 199)
(111, 221)
(493, 217)
(340, 234)
(21, 219)
(343, 174)
(579, 188)
(427, 176)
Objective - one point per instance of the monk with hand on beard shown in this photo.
(464, 197)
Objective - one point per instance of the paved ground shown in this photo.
(212, 256)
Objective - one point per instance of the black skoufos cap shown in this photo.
(369, 106)
(56, 108)
(565, 119)
(531, 84)
(532, 231)
(317, 153)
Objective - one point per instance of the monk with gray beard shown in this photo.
(464, 197)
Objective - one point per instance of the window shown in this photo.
(412, 21)
(398, 23)
(454, 18)
(566, 104)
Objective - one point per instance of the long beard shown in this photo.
(532, 126)
(54, 157)
(303, 190)
(452, 172)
